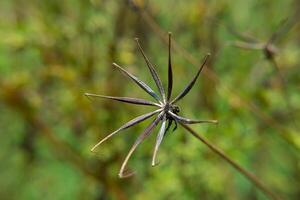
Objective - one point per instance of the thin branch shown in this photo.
(251, 177)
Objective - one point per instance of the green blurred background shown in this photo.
(53, 51)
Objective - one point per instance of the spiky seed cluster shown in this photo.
(267, 47)
(167, 110)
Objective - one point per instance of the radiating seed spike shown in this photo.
(192, 82)
(159, 139)
(125, 99)
(190, 121)
(170, 72)
(141, 138)
(127, 125)
(152, 71)
(140, 83)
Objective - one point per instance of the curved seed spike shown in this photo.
(140, 83)
(191, 121)
(141, 138)
(127, 125)
(159, 139)
(126, 173)
(170, 73)
(125, 99)
(152, 71)
(191, 84)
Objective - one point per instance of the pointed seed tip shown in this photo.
(153, 163)
(116, 65)
(125, 176)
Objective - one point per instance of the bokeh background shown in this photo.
(53, 51)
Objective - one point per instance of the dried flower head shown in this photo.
(167, 111)
(268, 47)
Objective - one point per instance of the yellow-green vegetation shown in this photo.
(53, 52)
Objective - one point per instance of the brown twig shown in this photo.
(251, 177)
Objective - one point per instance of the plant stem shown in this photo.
(284, 91)
(251, 177)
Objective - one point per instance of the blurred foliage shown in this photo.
(53, 51)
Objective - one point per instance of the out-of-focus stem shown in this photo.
(283, 85)
(251, 177)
